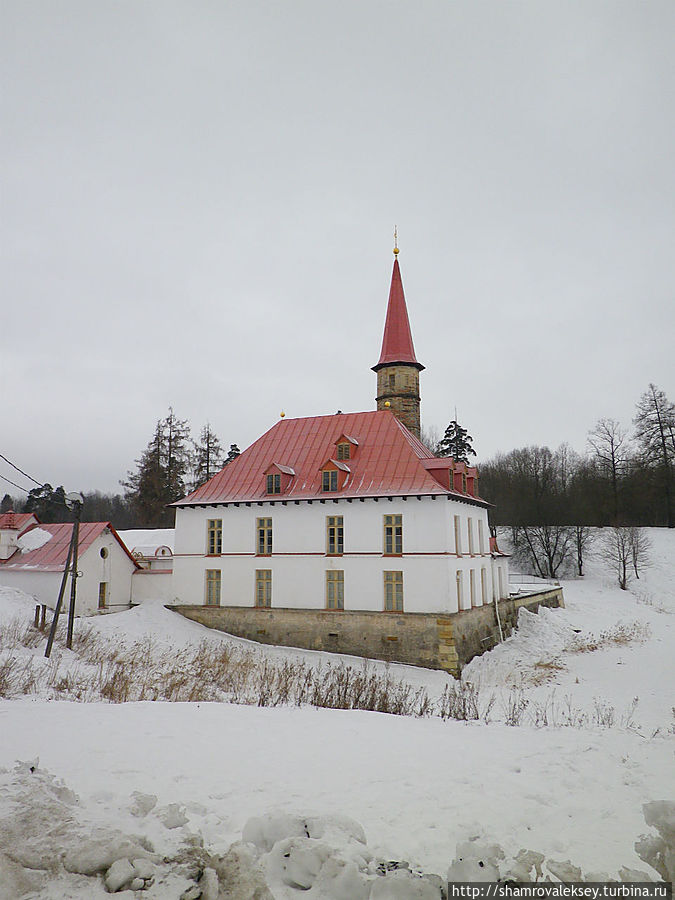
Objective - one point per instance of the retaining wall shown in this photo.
(419, 639)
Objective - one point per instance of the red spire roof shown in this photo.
(397, 342)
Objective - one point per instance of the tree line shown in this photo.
(171, 466)
(624, 478)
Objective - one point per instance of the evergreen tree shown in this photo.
(655, 433)
(233, 453)
(208, 458)
(457, 443)
(48, 504)
(159, 476)
(7, 504)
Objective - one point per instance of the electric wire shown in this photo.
(14, 484)
(29, 477)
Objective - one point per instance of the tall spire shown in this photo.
(398, 371)
(397, 342)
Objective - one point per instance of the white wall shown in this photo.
(150, 585)
(299, 562)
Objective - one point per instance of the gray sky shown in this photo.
(198, 201)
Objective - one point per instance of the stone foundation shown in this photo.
(432, 641)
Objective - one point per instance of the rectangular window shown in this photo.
(472, 586)
(335, 589)
(481, 538)
(483, 586)
(393, 591)
(263, 587)
(334, 536)
(392, 382)
(458, 537)
(343, 451)
(102, 594)
(463, 482)
(393, 535)
(329, 481)
(213, 587)
(264, 537)
(274, 484)
(469, 523)
(214, 537)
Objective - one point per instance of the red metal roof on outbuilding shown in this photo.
(387, 461)
(52, 555)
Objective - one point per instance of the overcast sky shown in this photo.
(198, 203)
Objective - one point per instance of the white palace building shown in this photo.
(347, 513)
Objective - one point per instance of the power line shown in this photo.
(29, 477)
(14, 484)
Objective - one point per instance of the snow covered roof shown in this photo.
(49, 554)
(390, 461)
(144, 538)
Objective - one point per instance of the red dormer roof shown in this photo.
(389, 461)
(53, 554)
(397, 342)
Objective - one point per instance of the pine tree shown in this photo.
(233, 453)
(457, 443)
(47, 503)
(159, 476)
(655, 433)
(208, 457)
(7, 504)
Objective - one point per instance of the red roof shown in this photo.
(397, 342)
(387, 461)
(17, 521)
(52, 555)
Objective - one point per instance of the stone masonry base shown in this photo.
(430, 640)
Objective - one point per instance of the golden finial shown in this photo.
(282, 414)
(395, 241)
(387, 404)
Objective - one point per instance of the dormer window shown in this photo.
(278, 478)
(345, 447)
(334, 474)
(464, 482)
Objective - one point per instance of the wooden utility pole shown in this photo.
(74, 501)
(77, 509)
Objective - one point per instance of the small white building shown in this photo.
(33, 557)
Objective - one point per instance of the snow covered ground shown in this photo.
(182, 783)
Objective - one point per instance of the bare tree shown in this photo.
(616, 550)
(583, 539)
(655, 433)
(431, 438)
(546, 547)
(640, 547)
(609, 443)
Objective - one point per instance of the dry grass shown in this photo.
(99, 669)
(620, 635)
